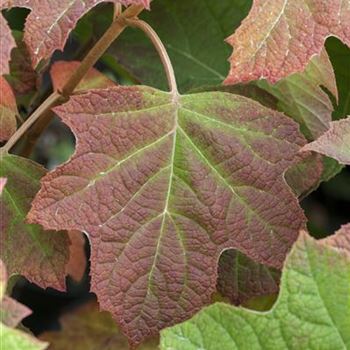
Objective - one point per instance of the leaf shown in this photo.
(77, 259)
(89, 329)
(8, 111)
(50, 22)
(241, 279)
(22, 78)
(15, 339)
(61, 71)
(199, 59)
(11, 313)
(26, 249)
(301, 96)
(311, 312)
(7, 44)
(307, 174)
(279, 38)
(334, 143)
(163, 184)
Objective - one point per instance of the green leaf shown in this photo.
(193, 33)
(301, 96)
(163, 184)
(312, 311)
(26, 249)
(15, 339)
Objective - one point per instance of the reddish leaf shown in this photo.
(279, 37)
(12, 312)
(61, 71)
(334, 143)
(163, 184)
(77, 259)
(7, 44)
(305, 176)
(87, 328)
(26, 249)
(23, 78)
(8, 111)
(241, 278)
(50, 22)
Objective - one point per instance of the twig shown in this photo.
(47, 104)
(163, 54)
(90, 59)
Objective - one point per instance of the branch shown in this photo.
(100, 48)
(153, 36)
(117, 27)
(47, 104)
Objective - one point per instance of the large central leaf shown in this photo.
(163, 184)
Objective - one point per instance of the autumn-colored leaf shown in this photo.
(87, 328)
(8, 110)
(22, 78)
(306, 175)
(77, 259)
(302, 97)
(279, 37)
(334, 143)
(50, 22)
(7, 44)
(11, 313)
(312, 311)
(25, 248)
(240, 278)
(163, 184)
(61, 71)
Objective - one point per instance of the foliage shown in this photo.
(185, 198)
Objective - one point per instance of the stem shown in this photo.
(100, 47)
(163, 54)
(91, 58)
(47, 104)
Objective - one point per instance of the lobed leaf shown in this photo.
(25, 248)
(312, 311)
(279, 37)
(163, 184)
(334, 143)
(50, 22)
(8, 110)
